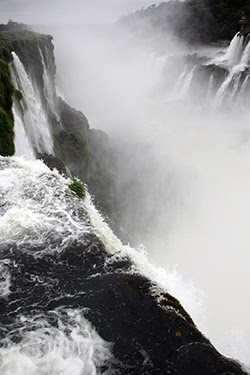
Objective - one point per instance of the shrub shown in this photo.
(77, 188)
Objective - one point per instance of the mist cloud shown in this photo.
(68, 12)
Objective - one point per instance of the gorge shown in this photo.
(74, 299)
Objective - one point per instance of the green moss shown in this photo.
(78, 189)
(7, 147)
(170, 301)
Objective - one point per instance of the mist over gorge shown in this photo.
(172, 174)
(181, 114)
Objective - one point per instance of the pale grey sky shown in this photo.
(68, 11)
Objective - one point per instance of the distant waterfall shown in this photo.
(48, 86)
(31, 118)
(187, 83)
(236, 82)
(211, 81)
(233, 54)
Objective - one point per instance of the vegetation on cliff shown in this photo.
(195, 21)
(6, 117)
(77, 188)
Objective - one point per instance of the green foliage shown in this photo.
(77, 187)
(6, 117)
(7, 147)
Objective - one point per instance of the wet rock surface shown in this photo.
(146, 337)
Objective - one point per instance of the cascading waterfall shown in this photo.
(48, 88)
(187, 83)
(180, 80)
(210, 87)
(233, 82)
(234, 52)
(234, 61)
(42, 220)
(31, 118)
(22, 144)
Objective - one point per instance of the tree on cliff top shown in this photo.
(195, 21)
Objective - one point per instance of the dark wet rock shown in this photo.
(148, 337)
(53, 162)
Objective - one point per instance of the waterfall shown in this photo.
(34, 117)
(192, 176)
(233, 54)
(22, 144)
(187, 83)
(48, 88)
(180, 80)
(210, 87)
(246, 55)
(243, 100)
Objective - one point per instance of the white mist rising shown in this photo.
(196, 190)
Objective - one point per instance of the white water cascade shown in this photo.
(31, 119)
(39, 210)
(234, 52)
(73, 347)
(237, 58)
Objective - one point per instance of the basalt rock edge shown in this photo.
(146, 337)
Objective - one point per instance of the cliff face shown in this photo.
(56, 133)
(6, 115)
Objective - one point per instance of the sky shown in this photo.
(68, 11)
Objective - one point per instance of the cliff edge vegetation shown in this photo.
(194, 21)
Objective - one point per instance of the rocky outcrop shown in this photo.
(87, 153)
(147, 337)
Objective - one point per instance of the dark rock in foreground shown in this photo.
(148, 337)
